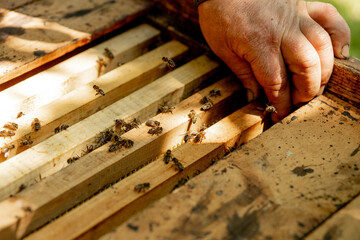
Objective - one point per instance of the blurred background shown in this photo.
(350, 10)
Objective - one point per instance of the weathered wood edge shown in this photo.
(276, 181)
(105, 28)
(91, 178)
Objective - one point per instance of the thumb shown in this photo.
(330, 19)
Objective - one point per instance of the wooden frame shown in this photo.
(300, 171)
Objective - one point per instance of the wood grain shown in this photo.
(83, 100)
(62, 78)
(344, 224)
(54, 195)
(163, 174)
(345, 80)
(280, 185)
(45, 30)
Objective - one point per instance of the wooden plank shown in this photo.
(64, 77)
(45, 30)
(77, 182)
(345, 80)
(280, 185)
(110, 209)
(11, 5)
(83, 101)
(50, 155)
(344, 224)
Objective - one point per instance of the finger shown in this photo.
(321, 41)
(330, 19)
(269, 70)
(304, 62)
(243, 72)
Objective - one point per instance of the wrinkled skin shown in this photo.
(285, 47)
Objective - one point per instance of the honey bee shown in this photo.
(61, 128)
(108, 53)
(20, 114)
(155, 130)
(127, 143)
(98, 90)
(36, 124)
(166, 109)
(179, 166)
(189, 136)
(215, 92)
(135, 123)
(26, 141)
(205, 100)
(200, 135)
(73, 159)
(6, 150)
(167, 156)
(7, 133)
(192, 117)
(207, 106)
(142, 187)
(101, 63)
(151, 123)
(114, 147)
(170, 63)
(11, 125)
(119, 123)
(87, 150)
(269, 108)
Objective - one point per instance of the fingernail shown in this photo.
(345, 51)
(249, 95)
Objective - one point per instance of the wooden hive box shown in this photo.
(76, 67)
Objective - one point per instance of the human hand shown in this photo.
(286, 47)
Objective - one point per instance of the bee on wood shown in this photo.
(26, 141)
(98, 90)
(269, 108)
(6, 150)
(87, 150)
(192, 117)
(64, 127)
(205, 100)
(200, 135)
(7, 133)
(167, 156)
(152, 123)
(215, 92)
(72, 159)
(155, 130)
(61, 128)
(207, 106)
(179, 166)
(20, 114)
(119, 123)
(142, 187)
(169, 62)
(116, 138)
(114, 147)
(108, 53)
(166, 109)
(101, 63)
(104, 137)
(36, 124)
(127, 143)
(189, 136)
(11, 125)
(134, 123)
